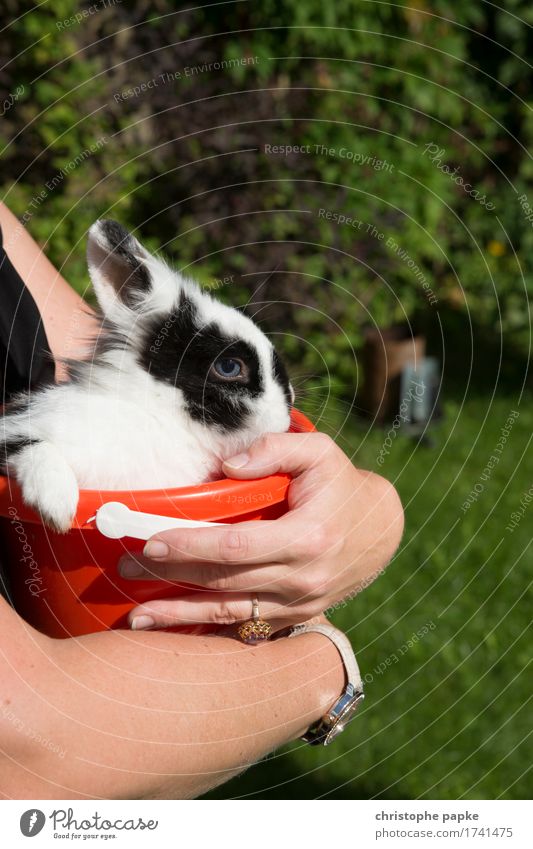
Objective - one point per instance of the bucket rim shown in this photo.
(210, 501)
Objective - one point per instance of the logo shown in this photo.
(32, 822)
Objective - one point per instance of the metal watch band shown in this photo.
(343, 645)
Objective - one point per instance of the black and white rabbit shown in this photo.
(177, 383)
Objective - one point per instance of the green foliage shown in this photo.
(361, 89)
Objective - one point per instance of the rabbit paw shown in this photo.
(48, 484)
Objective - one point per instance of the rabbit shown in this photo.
(177, 382)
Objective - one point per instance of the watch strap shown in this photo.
(342, 644)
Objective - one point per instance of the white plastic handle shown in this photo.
(114, 520)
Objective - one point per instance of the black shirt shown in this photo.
(25, 357)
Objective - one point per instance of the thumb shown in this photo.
(293, 453)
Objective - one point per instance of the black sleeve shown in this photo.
(25, 357)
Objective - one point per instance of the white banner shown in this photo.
(267, 824)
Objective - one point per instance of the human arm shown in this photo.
(341, 530)
(153, 715)
(69, 322)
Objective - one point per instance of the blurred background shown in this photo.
(356, 175)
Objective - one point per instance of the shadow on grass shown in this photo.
(270, 779)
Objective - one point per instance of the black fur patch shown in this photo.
(178, 350)
(280, 373)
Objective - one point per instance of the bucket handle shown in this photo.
(114, 520)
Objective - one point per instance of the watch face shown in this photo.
(344, 716)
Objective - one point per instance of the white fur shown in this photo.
(122, 428)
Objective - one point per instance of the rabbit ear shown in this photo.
(118, 267)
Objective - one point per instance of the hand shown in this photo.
(342, 527)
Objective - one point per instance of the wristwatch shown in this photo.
(333, 723)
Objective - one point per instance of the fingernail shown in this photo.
(238, 461)
(130, 568)
(140, 623)
(156, 548)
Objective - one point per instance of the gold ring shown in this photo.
(255, 630)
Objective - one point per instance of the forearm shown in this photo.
(161, 715)
(69, 322)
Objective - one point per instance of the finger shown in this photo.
(206, 608)
(293, 453)
(208, 575)
(250, 543)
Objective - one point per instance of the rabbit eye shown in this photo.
(229, 368)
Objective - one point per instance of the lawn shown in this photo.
(447, 713)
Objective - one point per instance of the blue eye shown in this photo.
(228, 368)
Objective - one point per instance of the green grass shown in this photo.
(450, 718)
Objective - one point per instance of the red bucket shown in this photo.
(67, 585)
